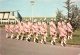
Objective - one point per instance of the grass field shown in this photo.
(74, 41)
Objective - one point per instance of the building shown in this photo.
(7, 16)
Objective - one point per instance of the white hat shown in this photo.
(26, 20)
(41, 19)
(54, 19)
(51, 19)
(35, 20)
(65, 20)
(60, 18)
(45, 18)
(30, 18)
(69, 18)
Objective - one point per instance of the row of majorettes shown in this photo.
(40, 28)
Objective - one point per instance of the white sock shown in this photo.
(34, 39)
(68, 37)
(41, 41)
(29, 36)
(27, 39)
(51, 42)
(6, 35)
(37, 36)
(45, 39)
(64, 42)
(71, 37)
(12, 36)
(54, 40)
(17, 37)
(22, 37)
(61, 43)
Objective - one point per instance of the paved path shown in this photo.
(18, 47)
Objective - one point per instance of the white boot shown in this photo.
(27, 39)
(29, 36)
(44, 39)
(68, 37)
(65, 41)
(12, 36)
(34, 40)
(54, 40)
(6, 35)
(41, 41)
(17, 37)
(51, 42)
(37, 36)
(71, 37)
(22, 37)
(61, 43)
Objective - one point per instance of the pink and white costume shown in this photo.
(65, 26)
(44, 26)
(35, 28)
(59, 25)
(39, 24)
(42, 30)
(52, 28)
(69, 27)
(30, 25)
(26, 28)
(22, 28)
(62, 32)
(17, 28)
(7, 28)
(11, 28)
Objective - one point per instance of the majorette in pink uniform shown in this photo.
(42, 30)
(17, 28)
(52, 28)
(59, 25)
(62, 32)
(7, 28)
(11, 28)
(22, 28)
(27, 28)
(39, 24)
(44, 26)
(35, 28)
(30, 25)
(69, 27)
(65, 26)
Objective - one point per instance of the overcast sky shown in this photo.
(41, 7)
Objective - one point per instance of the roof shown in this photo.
(6, 11)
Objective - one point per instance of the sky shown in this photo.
(40, 7)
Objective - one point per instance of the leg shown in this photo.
(7, 35)
(42, 39)
(68, 35)
(62, 41)
(12, 35)
(18, 36)
(22, 36)
(34, 37)
(52, 40)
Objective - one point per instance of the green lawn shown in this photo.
(76, 38)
